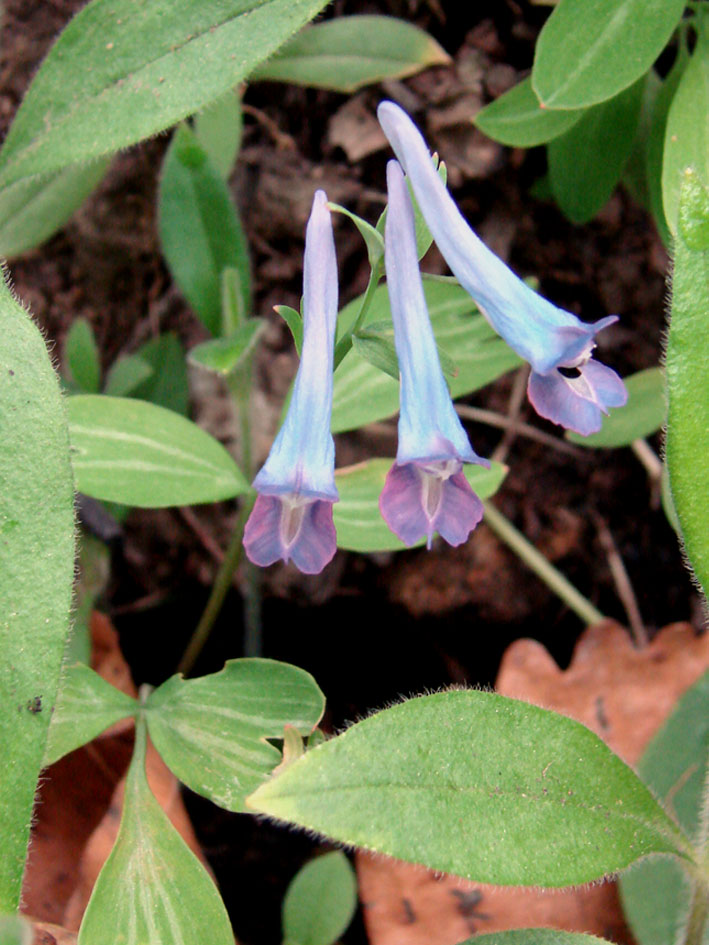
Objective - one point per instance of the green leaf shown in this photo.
(359, 524)
(349, 52)
(655, 894)
(643, 415)
(694, 215)
(212, 732)
(93, 572)
(375, 345)
(136, 453)
(371, 236)
(517, 119)
(634, 175)
(82, 357)
(586, 163)
(120, 73)
(126, 375)
(199, 228)
(219, 128)
(294, 320)
(687, 368)
(87, 705)
(363, 394)
(152, 887)
(15, 930)
(320, 901)
(37, 568)
(225, 355)
(536, 937)
(588, 52)
(655, 142)
(32, 210)
(167, 385)
(687, 130)
(483, 786)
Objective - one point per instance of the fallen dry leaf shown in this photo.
(622, 693)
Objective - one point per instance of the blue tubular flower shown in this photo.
(292, 516)
(425, 490)
(546, 336)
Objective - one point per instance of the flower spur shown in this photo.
(425, 490)
(292, 515)
(566, 385)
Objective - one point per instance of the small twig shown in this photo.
(516, 400)
(493, 419)
(622, 582)
(209, 544)
(280, 138)
(140, 603)
(652, 464)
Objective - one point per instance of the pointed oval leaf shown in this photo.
(36, 572)
(82, 357)
(517, 119)
(225, 355)
(359, 524)
(536, 937)
(656, 894)
(371, 236)
(687, 368)
(643, 415)
(320, 901)
(152, 887)
(483, 786)
(586, 163)
(212, 731)
(588, 52)
(349, 52)
(200, 230)
(167, 384)
(126, 375)
(122, 71)
(363, 394)
(219, 128)
(136, 453)
(32, 210)
(687, 130)
(86, 706)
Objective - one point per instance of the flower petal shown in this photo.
(302, 458)
(577, 402)
(281, 528)
(416, 502)
(541, 333)
(429, 427)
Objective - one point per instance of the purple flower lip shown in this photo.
(425, 490)
(548, 337)
(292, 516)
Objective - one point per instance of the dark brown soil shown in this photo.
(372, 627)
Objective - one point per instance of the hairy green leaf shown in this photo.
(122, 71)
(351, 51)
(483, 786)
(687, 368)
(656, 894)
(136, 453)
(36, 573)
(212, 731)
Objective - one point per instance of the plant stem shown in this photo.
(693, 931)
(345, 343)
(555, 580)
(221, 585)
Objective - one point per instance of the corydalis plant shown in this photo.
(566, 385)
(292, 516)
(425, 490)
